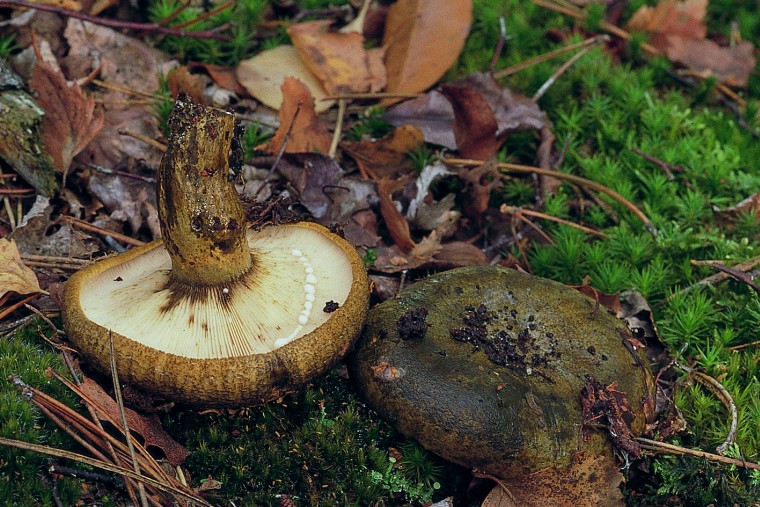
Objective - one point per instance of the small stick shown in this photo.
(526, 169)
(204, 16)
(17, 305)
(285, 140)
(372, 95)
(739, 275)
(103, 465)
(499, 44)
(145, 139)
(723, 395)
(662, 447)
(666, 167)
(744, 346)
(121, 88)
(124, 424)
(125, 174)
(16, 191)
(563, 68)
(338, 128)
(719, 277)
(113, 23)
(86, 226)
(44, 317)
(513, 210)
(9, 211)
(542, 58)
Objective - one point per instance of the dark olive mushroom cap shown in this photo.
(232, 344)
(485, 366)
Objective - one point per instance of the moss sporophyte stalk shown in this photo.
(217, 313)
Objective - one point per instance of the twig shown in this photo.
(16, 191)
(736, 273)
(9, 211)
(573, 11)
(662, 447)
(103, 465)
(86, 226)
(285, 140)
(44, 318)
(121, 88)
(743, 346)
(338, 128)
(205, 15)
(542, 58)
(145, 139)
(526, 169)
(17, 305)
(106, 170)
(372, 95)
(113, 23)
(503, 37)
(513, 210)
(719, 277)
(124, 424)
(666, 167)
(563, 68)
(723, 395)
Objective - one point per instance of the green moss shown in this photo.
(23, 479)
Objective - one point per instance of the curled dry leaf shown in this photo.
(397, 225)
(70, 121)
(264, 74)
(313, 176)
(423, 38)
(14, 275)
(147, 426)
(180, 80)
(387, 156)
(337, 59)
(474, 123)
(299, 121)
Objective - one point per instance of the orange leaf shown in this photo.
(387, 156)
(339, 60)
(299, 120)
(423, 38)
(70, 121)
(672, 17)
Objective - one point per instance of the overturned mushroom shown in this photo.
(215, 313)
(486, 367)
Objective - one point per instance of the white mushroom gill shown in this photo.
(296, 271)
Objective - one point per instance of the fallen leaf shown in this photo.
(677, 29)
(70, 120)
(605, 406)
(609, 301)
(180, 80)
(311, 175)
(147, 426)
(123, 198)
(264, 74)
(731, 65)
(121, 60)
(423, 38)
(474, 123)
(432, 114)
(224, 77)
(459, 253)
(389, 155)
(673, 17)
(15, 276)
(747, 207)
(480, 181)
(397, 225)
(337, 59)
(299, 122)
(589, 481)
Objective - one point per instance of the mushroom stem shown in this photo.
(201, 216)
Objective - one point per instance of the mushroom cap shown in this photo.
(233, 344)
(485, 366)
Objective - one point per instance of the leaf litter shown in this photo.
(411, 218)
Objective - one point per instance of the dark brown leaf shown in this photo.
(397, 225)
(387, 156)
(474, 122)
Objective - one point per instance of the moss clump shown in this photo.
(23, 479)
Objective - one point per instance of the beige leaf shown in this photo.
(14, 275)
(423, 38)
(264, 74)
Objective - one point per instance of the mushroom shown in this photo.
(485, 366)
(216, 313)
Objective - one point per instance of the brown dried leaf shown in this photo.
(749, 206)
(603, 405)
(264, 74)
(730, 65)
(70, 121)
(223, 77)
(339, 60)
(312, 174)
(609, 301)
(387, 156)
(397, 225)
(432, 114)
(672, 17)
(589, 481)
(474, 123)
(147, 426)
(15, 276)
(459, 253)
(423, 38)
(180, 80)
(299, 120)
(480, 181)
